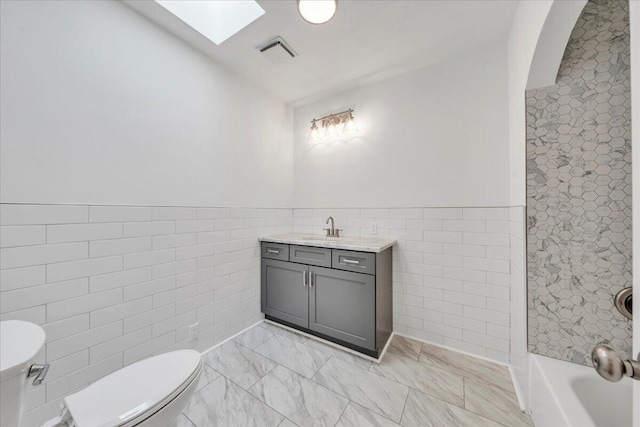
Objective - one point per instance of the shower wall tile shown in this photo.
(114, 284)
(451, 270)
(579, 191)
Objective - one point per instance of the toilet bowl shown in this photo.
(151, 392)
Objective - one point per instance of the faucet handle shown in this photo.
(612, 367)
(328, 230)
(338, 230)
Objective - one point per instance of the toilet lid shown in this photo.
(133, 391)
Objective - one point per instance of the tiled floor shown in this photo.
(269, 376)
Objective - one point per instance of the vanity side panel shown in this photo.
(384, 298)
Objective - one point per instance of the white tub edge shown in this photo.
(544, 404)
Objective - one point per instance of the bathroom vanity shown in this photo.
(339, 289)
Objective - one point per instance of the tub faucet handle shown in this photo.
(611, 367)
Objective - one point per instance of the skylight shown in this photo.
(217, 20)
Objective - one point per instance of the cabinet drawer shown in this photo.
(310, 255)
(359, 262)
(275, 251)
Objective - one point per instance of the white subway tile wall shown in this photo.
(114, 284)
(451, 271)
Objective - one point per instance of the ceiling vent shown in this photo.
(277, 51)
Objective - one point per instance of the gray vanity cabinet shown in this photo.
(284, 291)
(343, 305)
(348, 302)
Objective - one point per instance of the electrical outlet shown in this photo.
(194, 331)
(373, 228)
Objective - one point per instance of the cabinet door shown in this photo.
(285, 292)
(342, 305)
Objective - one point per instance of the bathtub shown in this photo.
(566, 394)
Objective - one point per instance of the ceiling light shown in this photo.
(317, 11)
(216, 20)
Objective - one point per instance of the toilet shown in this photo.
(151, 392)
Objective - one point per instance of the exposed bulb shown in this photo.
(317, 11)
(314, 133)
(332, 130)
(350, 128)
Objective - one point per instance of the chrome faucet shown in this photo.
(332, 232)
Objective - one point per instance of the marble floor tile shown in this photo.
(287, 423)
(405, 347)
(253, 337)
(299, 399)
(434, 381)
(372, 391)
(282, 331)
(294, 355)
(494, 403)
(423, 410)
(238, 363)
(222, 403)
(207, 376)
(184, 421)
(339, 354)
(467, 366)
(359, 416)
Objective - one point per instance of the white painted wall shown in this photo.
(100, 106)
(435, 137)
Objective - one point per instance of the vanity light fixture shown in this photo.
(317, 11)
(336, 125)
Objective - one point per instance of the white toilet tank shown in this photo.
(20, 343)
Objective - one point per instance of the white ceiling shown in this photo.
(365, 41)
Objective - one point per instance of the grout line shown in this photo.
(343, 411)
(188, 419)
(404, 407)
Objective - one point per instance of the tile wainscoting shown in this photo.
(451, 270)
(114, 284)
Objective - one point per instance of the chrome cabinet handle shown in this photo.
(273, 251)
(310, 279)
(611, 367)
(304, 278)
(351, 261)
(40, 371)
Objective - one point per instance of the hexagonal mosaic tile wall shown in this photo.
(579, 191)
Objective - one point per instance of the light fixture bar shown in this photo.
(328, 116)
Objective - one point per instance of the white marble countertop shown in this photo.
(363, 244)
